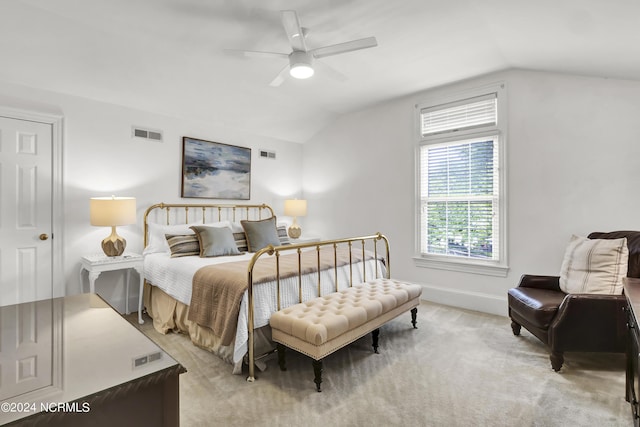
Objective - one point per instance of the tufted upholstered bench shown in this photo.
(320, 326)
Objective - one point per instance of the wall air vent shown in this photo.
(267, 154)
(146, 359)
(139, 132)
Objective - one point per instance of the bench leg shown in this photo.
(414, 317)
(317, 372)
(281, 349)
(374, 334)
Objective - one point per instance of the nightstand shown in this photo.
(95, 264)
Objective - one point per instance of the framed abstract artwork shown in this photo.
(212, 170)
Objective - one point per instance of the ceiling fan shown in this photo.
(302, 62)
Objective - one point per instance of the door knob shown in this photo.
(44, 236)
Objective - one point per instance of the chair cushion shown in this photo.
(594, 266)
(539, 306)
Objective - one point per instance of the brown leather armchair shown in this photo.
(573, 322)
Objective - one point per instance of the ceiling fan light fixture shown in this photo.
(301, 71)
(301, 66)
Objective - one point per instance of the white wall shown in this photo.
(572, 167)
(101, 158)
(572, 157)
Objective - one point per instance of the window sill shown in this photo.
(446, 263)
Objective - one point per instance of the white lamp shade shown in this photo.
(295, 207)
(112, 211)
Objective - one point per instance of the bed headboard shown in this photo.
(185, 213)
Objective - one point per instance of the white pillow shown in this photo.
(236, 227)
(594, 266)
(157, 242)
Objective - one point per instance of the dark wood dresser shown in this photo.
(632, 292)
(74, 361)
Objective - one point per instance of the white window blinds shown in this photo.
(459, 197)
(469, 113)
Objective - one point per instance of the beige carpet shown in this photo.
(460, 368)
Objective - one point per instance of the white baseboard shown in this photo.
(465, 299)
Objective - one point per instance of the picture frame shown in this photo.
(213, 170)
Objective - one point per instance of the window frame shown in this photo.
(498, 267)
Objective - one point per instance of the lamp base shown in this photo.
(114, 245)
(294, 231)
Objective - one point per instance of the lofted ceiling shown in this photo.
(167, 56)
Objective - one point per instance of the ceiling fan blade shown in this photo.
(329, 71)
(339, 48)
(294, 31)
(280, 77)
(256, 54)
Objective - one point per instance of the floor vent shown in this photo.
(154, 135)
(267, 154)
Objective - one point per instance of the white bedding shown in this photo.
(174, 276)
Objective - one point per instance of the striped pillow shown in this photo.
(241, 241)
(594, 266)
(183, 245)
(282, 234)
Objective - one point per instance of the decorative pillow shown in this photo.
(282, 235)
(215, 241)
(261, 234)
(183, 245)
(157, 241)
(594, 266)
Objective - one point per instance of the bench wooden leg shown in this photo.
(414, 317)
(317, 372)
(281, 349)
(374, 334)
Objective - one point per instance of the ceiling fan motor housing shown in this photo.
(301, 64)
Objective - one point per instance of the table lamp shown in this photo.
(111, 212)
(295, 208)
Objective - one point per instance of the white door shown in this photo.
(29, 273)
(26, 194)
(26, 352)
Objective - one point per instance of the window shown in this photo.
(460, 181)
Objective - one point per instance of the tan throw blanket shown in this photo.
(218, 289)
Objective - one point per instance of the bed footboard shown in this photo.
(346, 251)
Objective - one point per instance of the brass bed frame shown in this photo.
(180, 213)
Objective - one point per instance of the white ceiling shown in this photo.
(167, 56)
